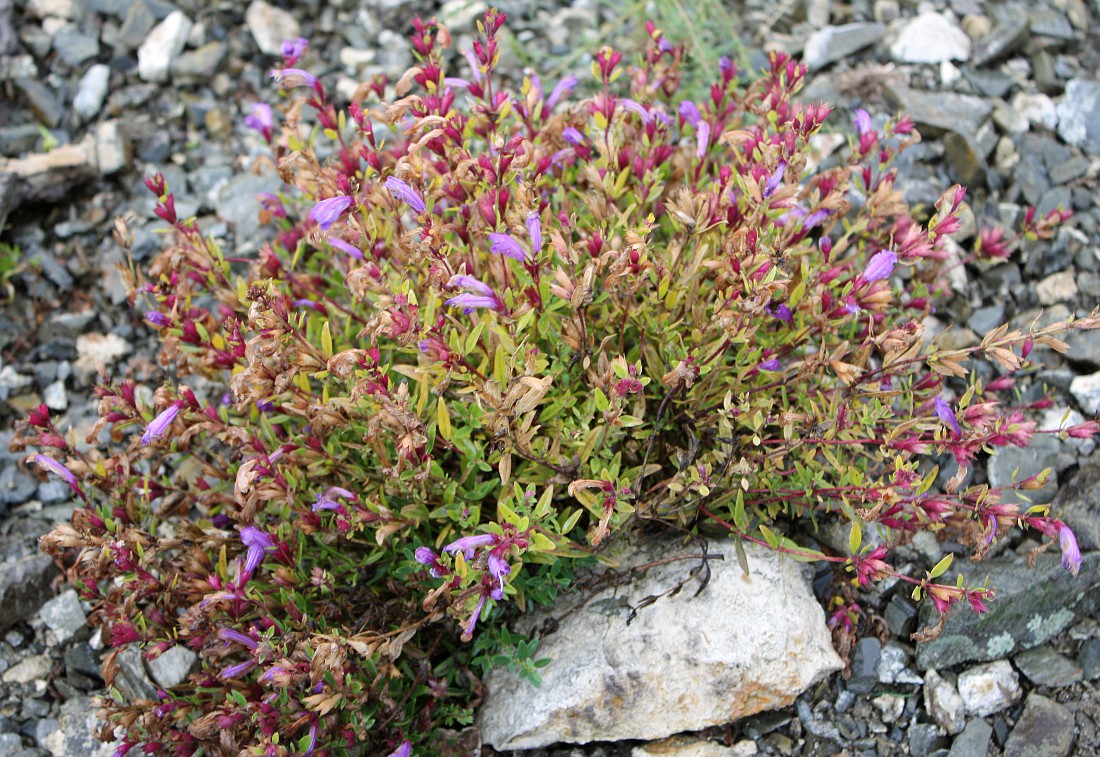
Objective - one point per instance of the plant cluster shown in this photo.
(493, 330)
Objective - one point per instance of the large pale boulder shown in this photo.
(627, 669)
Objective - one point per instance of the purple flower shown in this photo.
(236, 671)
(564, 87)
(228, 634)
(945, 414)
(293, 49)
(572, 136)
(347, 247)
(851, 305)
(783, 313)
(456, 81)
(879, 267)
(862, 121)
(305, 303)
(702, 139)
(53, 466)
(157, 318)
(405, 750)
(326, 212)
(689, 111)
(327, 501)
(636, 107)
(405, 193)
(260, 120)
(478, 295)
(503, 244)
(467, 544)
(159, 426)
(425, 556)
(770, 365)
(258, 544)
(775, 179)
(725, 66)
(534, 230)
(816, 218)
(468, 631)
(1071, 553)
(290, 78)
(312, 738)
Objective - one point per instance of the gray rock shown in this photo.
(1045, 728)
(236, 202)
(1007, 36)
(1060, 418)
(1024, 462)
(865, 665)
(75, 734)
(161, 47)
(173, 667)
(930, 38)
(28, 670)
(925, 738)
(1086, 390)
(943, 703)
(64, 616)
(75, 47)
(662, 673)
(10, 743)
(984, 320)
(1045, 667)
(893, 665)
(79, 658)
(1038, 109)
(988, 689)
(1078, 504)
(55, 396)
(16, 487)
(900, 616)
(973, 741)
(270, 26)
(24, 587)
(963, 117)
(1031, 607)
(111, 150)
(199, 65)
(42, 101)
(131, 678)
(70, 10)
(139, 21)
(1048, 22)
(835, 43)
(1089, 659)
(1079, 115)
(91, 91)
(1068, 170)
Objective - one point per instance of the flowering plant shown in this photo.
(494, 329)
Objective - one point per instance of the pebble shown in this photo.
(893, 665)
(1008, 464)
(1045, 667)
(1037, 108)
(1058, 287)
(161, 47)
(99, 349)
(199, 65)
(270, 26)
(1008, 35)
(864, 665)
(42, 101)
(31, 668)
(1086, 390)
(74, 47)
(173, 667)
(110, 148)
(943, 703)
(139, 21)
(55, 396)
(91, 91)
(71, 10)
(986, 689)
(63, 615)
(1045, 728)
(835, 43)
(1079, 115)
(930, 38)
(973, 741)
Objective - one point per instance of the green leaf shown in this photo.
(602, 403)
(855, 538)
(942, 566)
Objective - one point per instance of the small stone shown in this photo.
(1068, 170)
(74, 47)
(1059, 418)
(131, 678)
(161, 47)
(892, 665)
(24, 587)
(986, 689)
(110, 148)
(55, 396)
(29, 669)
(1086, 390)
(1045, 728)
(1009, 35)
(199, 64)
(886, 11)
(70, 10)
(890, 706)
(270, 26)
(139, 21)
(973, 741)
(42, 101)
(924, 739)
(835, 43)
(1047, 22)
(930, 38)
(173, 667)
(1089, 659)
(1058, 287)
(943, 703)
(1045, 667)
(1010, 120)
(460, 15)
(80, 658)
(901, 616)
(94, 350)
(1038, 109)
(976, 25)
(1009, 464)
(1079, 115)
(864, 665)
(16, 487)
(91, 91)
(75, 733)
(64, 616)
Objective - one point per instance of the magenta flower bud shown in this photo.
(503, 244)
(879, 267)
(947, 415)
(258, 544)
(563, 88)
(260, 120)
(689, 111)
(775, 179)
(327, 212)
(534, 230)
(1071, 553)
(405, 193)
(862, 121)
(572, 136)
(346, 247)
(405, 750)
(159, 426)
(290, 78)
(54, 466)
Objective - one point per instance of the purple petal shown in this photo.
(260, 118)
(880, 266)
(770, 365)
(1071, 553)
(347, 247)
(564, 87)
(469, 282)
(470, 542)
(405, 750)
(862, 121)
(572, 136)
(425, 556)
(470, 302)
(457, 82)
(160, 425)
(228, 634)
(405, 193)
(235, 671)
(702, 139)
(503, 244)
(945, 414)
(294, 48)
(293, 77)
(498, 567)
(689, 111)
(534, 230)
(775, 179)
(636, 107)
(157, 318)
(54, 466)
(326, 212)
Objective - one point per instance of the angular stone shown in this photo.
(76, 729)
(990, 688)
(973, 741)
(130, 676)
(1086, 390)
(91, 91)
(1023, 462)
(865, 665)
(42, 101)
(1058, 287)
(173, 667)
(1045, 667)
(680, 664)
(835, 43)
(1032, 606)
(199, 64)
(930, 38)
(161, 47)
(99, 349)
(139, 21)
(1045, 728)
(943, 703)
(1079, 115)
(64, 616)
(1007, 36)
(29, 669)
(692, 746)
(270, 26)
(24, 587)
(111, 150)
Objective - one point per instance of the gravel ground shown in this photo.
(96, 94)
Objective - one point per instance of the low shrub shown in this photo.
(493, 330)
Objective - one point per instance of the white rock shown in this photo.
(930, 38)
(110, 148)
(460, 15)
(173, 667)
(1086, 390)
(986, 689)
(1038, 109)
(29, 669)
(744, 645)
(949, 73)
(270, 26)
(943, 703)
(73, 10)
(1058, 418)
(1058, 287)
(161, 47)
(91, 91)
(890, 706)
(94, 350)
(55, 396)
(689, 746)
